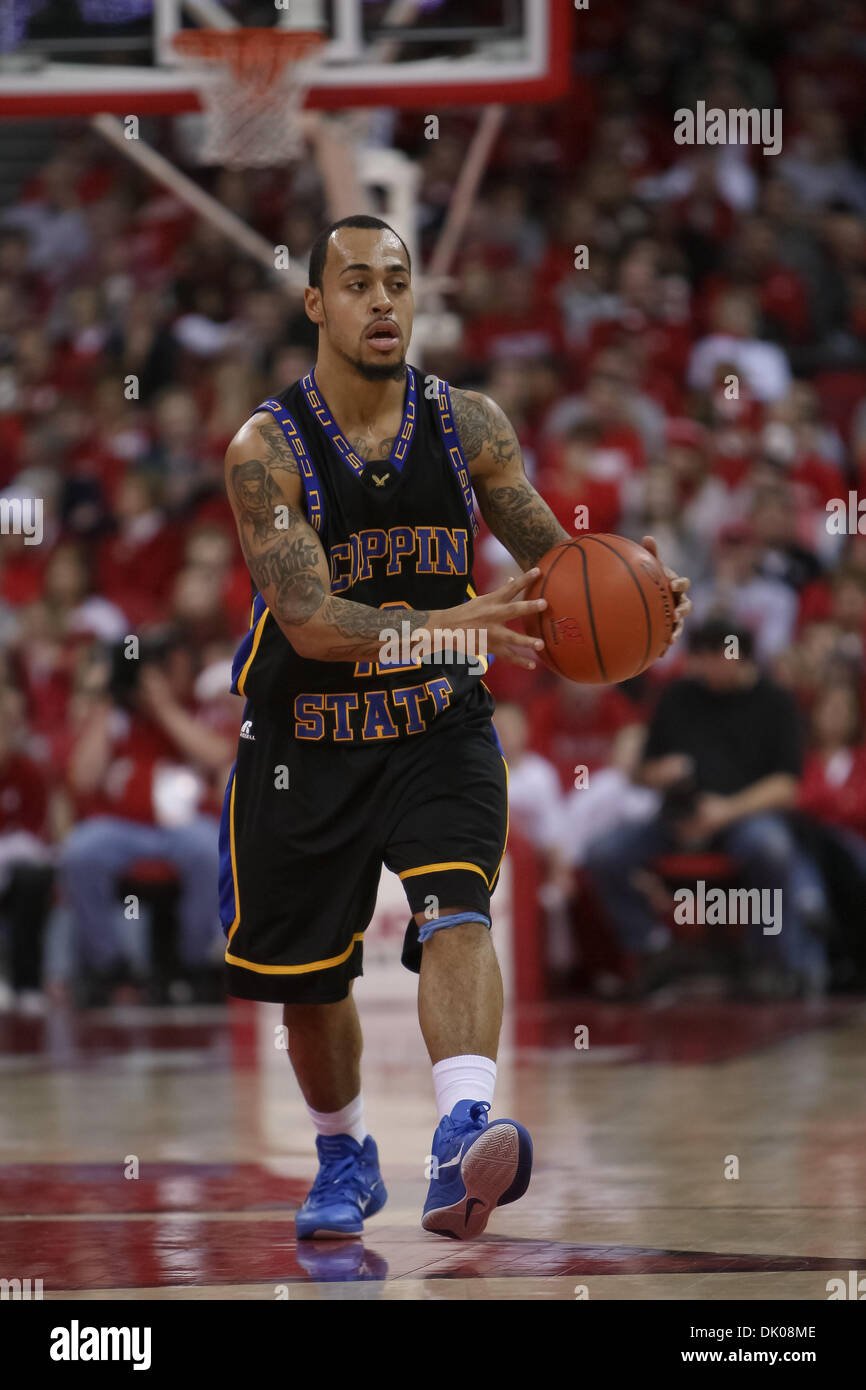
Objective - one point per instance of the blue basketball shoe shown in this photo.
(348, 1188)
(476, 1166)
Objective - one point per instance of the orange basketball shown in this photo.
(610, 609)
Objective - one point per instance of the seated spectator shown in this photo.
(581, 478)
(176, 453)
(26, 874)
(612, 402)
(137, 772)
(808, 447)
(15, 260)
(818, 167)
(602, 799)
(832, 801)
(836, 279)
(35, 372)
(198, 610)
(734, 340)
(766, 606)
(511, 225)
(848, 610)
(515, 328)
(72, 600)
(22, 567)
(838, 599)
(659, 514)
(234, 393)
(508, 385)
(85, 335)
(137, 563)
(815, 660)
(702, 502)
(55, 632)
(579, 726)
(735, 418)
(119, 435)
(775, 522)
(54, 221)
(781, 293)
(723, 748)
(652, 327)
(833, 789)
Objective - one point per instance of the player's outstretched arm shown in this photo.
(516, 514)
(288, 563)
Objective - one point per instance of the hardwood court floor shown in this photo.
(629, 1198)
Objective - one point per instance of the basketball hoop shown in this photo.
(252, 104)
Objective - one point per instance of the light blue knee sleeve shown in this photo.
(439, 923)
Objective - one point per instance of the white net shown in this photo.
(253, 97)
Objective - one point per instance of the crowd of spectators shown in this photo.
(679, 337)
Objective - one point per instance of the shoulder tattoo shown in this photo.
(484, 428)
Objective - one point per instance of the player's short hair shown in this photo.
(365, 222)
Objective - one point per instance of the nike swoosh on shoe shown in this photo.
(473, 1202)
(451, 1162)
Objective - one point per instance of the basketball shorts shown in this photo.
(306, 828)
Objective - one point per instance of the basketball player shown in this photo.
(353, 493)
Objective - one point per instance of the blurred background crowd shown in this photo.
(697, 373)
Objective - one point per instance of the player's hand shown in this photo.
(679, 587)
(492, 612)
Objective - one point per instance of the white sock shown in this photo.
(349, 1120)
(463, 1078)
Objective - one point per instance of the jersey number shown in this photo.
(369, 668)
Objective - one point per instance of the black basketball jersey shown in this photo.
(399, 533)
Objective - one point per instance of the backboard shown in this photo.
(80, 57)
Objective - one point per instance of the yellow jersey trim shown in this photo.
(507, 826)
(236, 923)
(260, 627)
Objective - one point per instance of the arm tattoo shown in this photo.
(523, 522)
(362, 626)
(513, 510)
(290, 568)
(280, 453)
(276, 560)
(287, 560)
(484, 429)
(257, 496)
